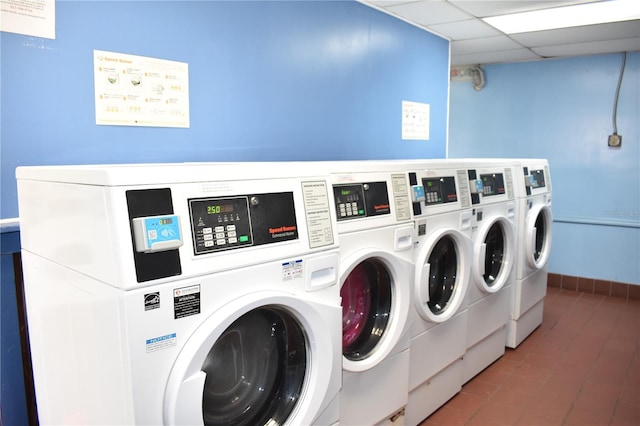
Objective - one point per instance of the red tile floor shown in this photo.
(580, 367)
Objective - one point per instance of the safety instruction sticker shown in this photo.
(401, 197)
(186, 301)
(316, 205)
(161, 342)
(292, 270)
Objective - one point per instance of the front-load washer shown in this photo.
(181, 294)
(376, 240)
(533, 191)
(494, 227)
(442, 212)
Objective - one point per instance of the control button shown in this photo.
(220, 235)
(208, 237)
(208, 243)
(231, 227)
(207, 230)
(221, 242)
(233, 240)
(219, 229)
(231, 234)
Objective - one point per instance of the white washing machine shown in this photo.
(494, 227)
(181, 294)
(442, 212)
(533, 190)
(376, 241)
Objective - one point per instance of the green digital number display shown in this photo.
(220, 208)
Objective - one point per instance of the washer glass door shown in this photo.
(255, 370)
(541, 232)
(366, 308)
(495, 247)
(443, 262)
(538, 236)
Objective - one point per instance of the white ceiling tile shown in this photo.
(590, 48)
(484, 8)
(429, 12)
(486, 44)
(473, 41)
(617, 30)
(462, 30)
(516, 55)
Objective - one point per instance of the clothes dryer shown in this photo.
(535, 220)
(376, 241)
(442, 213)
(181, 294)
(494, 256)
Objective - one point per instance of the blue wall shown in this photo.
(291, 80)
(12, 388)
(562, 110)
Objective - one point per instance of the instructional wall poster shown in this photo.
(415, 121)
(139, 91)
(29, 17)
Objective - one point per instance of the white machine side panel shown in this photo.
(66, 309)
(71, 225)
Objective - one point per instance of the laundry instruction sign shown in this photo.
(140, 91)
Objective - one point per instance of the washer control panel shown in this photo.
(220, 223)
(226, 223)
(439, 190)
(361, 200)
(491, 184)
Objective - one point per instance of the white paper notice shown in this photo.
(30, 17)
(139, 91)
(316, 205)
(415, 121)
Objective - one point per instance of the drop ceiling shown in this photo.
(475, 42)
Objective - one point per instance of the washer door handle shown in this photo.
(482, 256)
(424, 283)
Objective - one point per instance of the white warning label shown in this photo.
(292, 270)
(161, 342)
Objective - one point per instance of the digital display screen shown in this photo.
(167, 221)
(220, 208)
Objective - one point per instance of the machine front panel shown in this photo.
(492, 184)
(225, 223)
(361, 200)
(440, 190)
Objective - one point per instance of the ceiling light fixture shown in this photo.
(566, 17)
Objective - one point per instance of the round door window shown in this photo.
(541, 229)
(443, 262)
(494, 253)
(366, 307)
(255, 370)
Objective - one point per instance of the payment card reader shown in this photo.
(157, 233)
